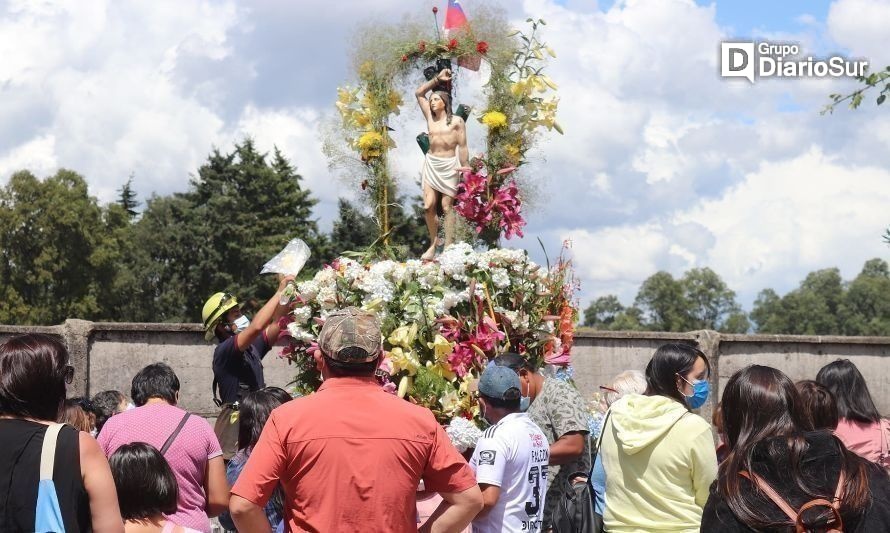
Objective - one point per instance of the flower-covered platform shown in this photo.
(442, 321)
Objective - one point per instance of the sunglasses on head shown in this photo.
(222, 303)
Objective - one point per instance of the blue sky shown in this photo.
(747, 16)
(664, 165)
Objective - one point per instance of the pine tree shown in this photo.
(241, 209)
(127, 198)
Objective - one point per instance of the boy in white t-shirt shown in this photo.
(510, 460)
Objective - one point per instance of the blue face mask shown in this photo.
(240, 324)
(700, 390)
(525, 402)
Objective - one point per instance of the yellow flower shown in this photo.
(403, 360)
(395, 100)
(494, 119)
(405, 386)
(548, 82)
(374, 305)
(441, 369)
(512, 151)
(466, 383)
(441, 347)
(520, 88)
(404, 336)
(345, 96)
(370, 144)
(370, 139)
(361, 119)
(366, 70)
(451, 403)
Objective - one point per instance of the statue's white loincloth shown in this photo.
(441, 173)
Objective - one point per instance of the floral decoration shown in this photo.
(441, 321)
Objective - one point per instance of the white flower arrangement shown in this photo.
(464, 434)
(466, 307)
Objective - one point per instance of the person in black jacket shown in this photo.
(769, 435)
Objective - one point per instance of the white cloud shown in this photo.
(861, 26)
(784, 220)
(795, 216)
(36, 155)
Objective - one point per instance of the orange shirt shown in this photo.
(350, 458)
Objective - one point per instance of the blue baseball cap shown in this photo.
(500, 383)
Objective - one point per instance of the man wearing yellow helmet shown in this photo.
(237, 359)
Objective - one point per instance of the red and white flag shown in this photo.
(454, 16)
(456, 20)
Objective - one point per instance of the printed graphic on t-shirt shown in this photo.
(513, 455)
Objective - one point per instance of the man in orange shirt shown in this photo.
(350, 456)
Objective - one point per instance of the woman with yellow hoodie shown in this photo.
(659, 458)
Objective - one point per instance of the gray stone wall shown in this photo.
(107, 355)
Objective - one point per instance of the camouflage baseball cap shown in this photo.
(350, 336)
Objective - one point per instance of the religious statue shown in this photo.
(446, 155)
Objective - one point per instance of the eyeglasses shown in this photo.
(86, 405)
(69, 374)
(226, 298)
(609, 389)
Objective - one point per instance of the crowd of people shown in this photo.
(779, 456)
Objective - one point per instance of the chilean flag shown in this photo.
(454, 16)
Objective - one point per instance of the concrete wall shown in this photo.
(107, 355)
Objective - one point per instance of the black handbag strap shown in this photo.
(173, 435)
(599, 441)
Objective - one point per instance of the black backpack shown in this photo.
(574, 512)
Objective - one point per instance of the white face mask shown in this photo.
(240, 324)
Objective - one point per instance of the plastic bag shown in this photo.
(288, 261)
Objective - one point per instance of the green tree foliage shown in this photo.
(240, 210)
(602, 312)
(698, 300)
(660, 299)
(824, 304)
(165, 257)
(127, 199)
(352, 230)
(879, 81)
(355, 230)
(54, 256)
(811, 309)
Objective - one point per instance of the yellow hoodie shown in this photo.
(659, 465)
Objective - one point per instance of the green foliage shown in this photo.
(63, 256)
(53, 258)
(602, 312)
(355, 231)
(824, 305)
(127, 199)
(868, 81)
(698, 300)
(240, 210)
